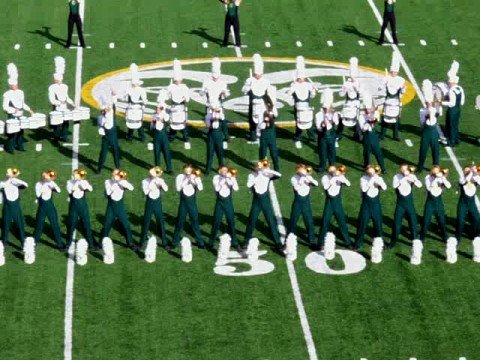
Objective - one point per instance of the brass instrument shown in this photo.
(444, 171)
(265, 163)
(233, 172)
(309, 170)
(412, 169)
(342, 169)
(13, 171)
(52, 174)
(82, 173)
(158, 171)
(378, 169)
(197, 172)
(122, 174)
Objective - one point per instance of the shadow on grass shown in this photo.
(45, 32)
(202, 33)
(350, 29)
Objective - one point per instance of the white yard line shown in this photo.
(307, 334)
(410, 76)
(68, 322)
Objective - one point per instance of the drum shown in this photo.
(38, 120)
(391, 113)
(258, 108)
(24, 123)
(304, 118)
(2, 127)
(13, 126)
(56, 118)
(82, 113)
(178, 114)
(67, 115)
(134, 116)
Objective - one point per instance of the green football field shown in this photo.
(56, 309)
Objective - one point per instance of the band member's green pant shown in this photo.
(252, 126)
(226, 136)
(161, 145)
(64, 131)
(224, 206)
(334, 207)
(268, 142)
(78, 210)
(301, 206)
(452, 120)
(153, 207)
(109, 141)
(188, 206)
(46, 209)
(371, 208)
(298, 134)
(356, 131)
(173, 133)
(326, 148)
(466, 206)
(429, 141)
(116, 210)
(404, 207)
(57, 132)
(214, 146)
(396, 129)
(434, 207)
(371, 144)
(12, 213)
(15, 141)
(262, 203)
(141, 134)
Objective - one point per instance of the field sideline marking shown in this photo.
(307, 333)
(68, 322)
(409, 73)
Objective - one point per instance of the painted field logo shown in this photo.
(280, 72)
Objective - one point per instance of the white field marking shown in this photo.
(448, 159)
(405, 66)
(17, 47)
(205, 45)
(73, 144)
(38, 147)
(150, 146)
(48, 46)
(68, 322)
(361, 43)
(423, 42)
(142, 45)
(298, 43)
(330, 43)
(174, 45)
(409, 142)
(454, 42)
(111, 45)
(307, 334)
(267, 44)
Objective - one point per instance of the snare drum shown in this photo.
(81, 113)
(56, 118)
(24, 123)
(134, 116)
(349, 115)
(2, 127)
(13, 126)
(37, 121)
(304, 118)
(178, 117)
(391, 113)
(67, 115)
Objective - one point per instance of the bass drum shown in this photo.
(13, 126)
(391, 113)
(349, 115)
(134, 116)
(178, 117)
(37, 121)
(304, 118)
(56, 118)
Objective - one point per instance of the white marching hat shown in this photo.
(395, 62)
(427, 89)
(216, 67)
(177, 70)
(257, 64)
(452, 73)
(327, 98)
(300, 67)
(135, 76)
(353, 67)
(368, 102)
(12, 72)
(59, 68)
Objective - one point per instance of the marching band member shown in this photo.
(266, 126)
(231, 20)
(259, 183)
(255, 87)
(14, 105)
(402, 183)
(213, 120)
(351, 109)
(77, 187)
(332, 183)
(12, 212)
(302, 182)
(325, 122)
(215, 90)
(161, 143)
(371, 185)
(370, 141)
(429, 116)
(455, 99)
(188, 184)
(114, 191)
(302, 91)
(59, 99)
(74, 18)
(224, 184)
(179, 95)
(153, 187)
(394, 88)
(136, 97)
(107, 128)
(466, 202)
(44, 190)
(389, 17)
(435, 182)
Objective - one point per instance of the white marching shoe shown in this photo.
(108, 252)
(186, 245)
(417, 249)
